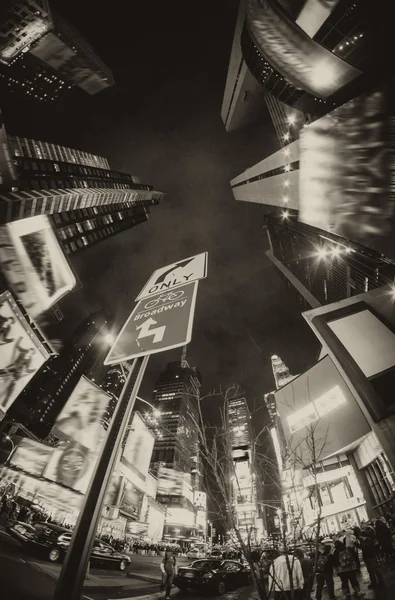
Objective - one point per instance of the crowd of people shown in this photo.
(337, 555)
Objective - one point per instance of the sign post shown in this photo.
(71, 578)
(161, 320)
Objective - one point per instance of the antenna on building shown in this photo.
(184, 363)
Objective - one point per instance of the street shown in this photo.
(26, 577)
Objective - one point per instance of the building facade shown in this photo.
(176, 396)
(314, 56)
(243, 96)
(43, 55)
(244, 476)
(323, 268)
(85, 200)
(44, 397)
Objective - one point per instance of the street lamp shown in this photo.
(156, 411)
(7, 437)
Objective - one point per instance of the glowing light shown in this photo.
(286, 183)
(286, 151)
(286, 136)
(287, 168)
(285, 214)
(322, 253)
(285, 199)
(336, 251)
(291, 119)
(322, 75)
(109, 338)
(348, 250)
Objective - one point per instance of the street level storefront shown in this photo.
(180, 534)
(59, 503)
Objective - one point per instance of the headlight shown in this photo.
(208, 576)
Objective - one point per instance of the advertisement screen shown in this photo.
(71, 465)
(34, 264)
(21, 352)
(80, 427)
(320, 398)
(131, 499)
(30, 456)
(346, 171)
(138, 448)
(170, 482)
(81, 420)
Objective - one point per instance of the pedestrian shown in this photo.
(351, 542)
(346, 568)
(284, 569)
(307, 570)
(168, 567)
(324, 570)
(369, 555)
(384, 538)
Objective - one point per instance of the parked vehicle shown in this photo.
(213, 576)
(52, 541)
(21, 531)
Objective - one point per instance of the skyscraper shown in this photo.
(87, 202)
(37, 44)
(245, 497)
(243, 95)
(315, 56)
(44, 397)
(176, 396)
(322, 267)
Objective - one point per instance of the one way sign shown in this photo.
(174, 275)
(161, 322)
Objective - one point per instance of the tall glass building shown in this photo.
(323, 267)
(176, 396)
(314, 56)
(42, 55)
(86, 201)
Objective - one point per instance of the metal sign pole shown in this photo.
(71, 578)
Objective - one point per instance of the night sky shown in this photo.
(162, 122)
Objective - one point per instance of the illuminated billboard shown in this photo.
(21, 352)
(346, 171)
(34, 264)
(131, 499)
(30, 456)
(71, 465)
(80, 427)
(320, 398)
(138, 448)
(81, 419)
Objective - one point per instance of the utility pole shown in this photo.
(71, 578)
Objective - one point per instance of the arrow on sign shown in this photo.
(145, 331)
(179, 265)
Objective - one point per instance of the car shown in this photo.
(52, 542)
(215, 554)
(213, 576)
(196, 554)
(21, 531)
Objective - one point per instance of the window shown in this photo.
(380, 479)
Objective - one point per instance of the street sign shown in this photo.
(161, 322)
(174, 275)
